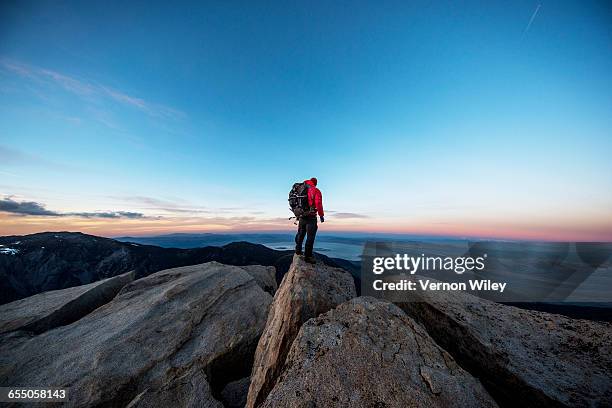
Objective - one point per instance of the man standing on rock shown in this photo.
(308, 222)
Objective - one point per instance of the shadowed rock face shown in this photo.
(265, 276)
(369, 353)
(55, 308)
(524, 358)
(305, 292)
(190, 390)
(174, 338)
(234, 394)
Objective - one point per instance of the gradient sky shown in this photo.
(425, 118)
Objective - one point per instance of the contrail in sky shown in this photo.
(533, 16)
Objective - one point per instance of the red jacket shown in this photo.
(315, 199)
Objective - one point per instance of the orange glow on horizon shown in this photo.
(579, 230)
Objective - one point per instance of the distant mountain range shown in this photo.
(195, 240)
(40, 262)
(186, 241)
(342, 245)
(345, 245)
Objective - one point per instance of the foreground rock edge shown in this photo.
(305, 292)
(369, 353)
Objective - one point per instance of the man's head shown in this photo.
(314, 180)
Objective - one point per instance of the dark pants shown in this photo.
(306, 226)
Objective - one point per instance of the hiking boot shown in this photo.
(310, 260)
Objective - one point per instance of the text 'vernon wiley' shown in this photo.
(427, 284)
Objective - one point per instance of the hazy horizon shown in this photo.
(322, 234)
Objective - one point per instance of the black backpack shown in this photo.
(298, 200)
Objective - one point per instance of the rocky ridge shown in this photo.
(175, 337)
(42, 262)
(522, 356)
(368, 353)
(212, 335)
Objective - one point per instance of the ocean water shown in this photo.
(349, 251)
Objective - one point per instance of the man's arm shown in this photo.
(319, 203)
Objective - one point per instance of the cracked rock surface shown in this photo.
(306, 291)
(369, 353)
(523, 357)
(174, 338)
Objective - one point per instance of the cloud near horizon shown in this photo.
(25, 208)
(32, 208)
(182, 207)
(19, 217)
(348, 215)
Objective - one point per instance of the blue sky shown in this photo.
(445, 118)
